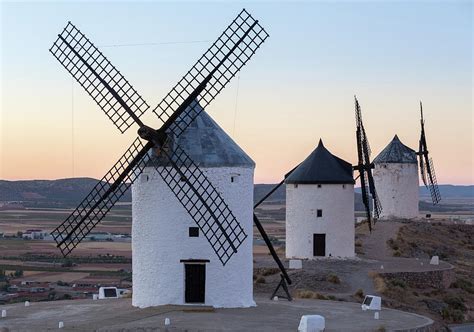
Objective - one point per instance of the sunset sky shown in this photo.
(299, 87)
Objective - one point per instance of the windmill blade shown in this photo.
(426, 164)
(433, 183)
(102, 197)
(377, 207)
(202, 202)
(211, 73)
(101, 80)
(365, 197)
(365, 166)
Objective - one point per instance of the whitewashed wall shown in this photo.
(337, 221)
(160, 239)
(397, 188)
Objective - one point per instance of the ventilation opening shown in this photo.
(319, 186)
(193, 231)
(319, 213)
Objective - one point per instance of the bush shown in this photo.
(397, 253)
(359, 293)
(307, 294)
(260, 280)
(398, 283)
(455, 303)
(452, 315)
(333, 278)
(269, 271)
(463, 284)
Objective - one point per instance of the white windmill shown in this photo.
(192, 185)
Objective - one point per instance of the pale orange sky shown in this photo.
(290, 94)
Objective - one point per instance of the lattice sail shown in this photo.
(216, 67)
(102, 197)
(102, 81)
(364, 167)
(202, 201)
(426, 164)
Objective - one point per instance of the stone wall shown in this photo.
(425, 279)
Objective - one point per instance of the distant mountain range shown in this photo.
(69, 192)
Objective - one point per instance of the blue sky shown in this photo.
(297, 88)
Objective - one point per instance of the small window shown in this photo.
(144, 178)
(319, 213)
(296, 185)
(193, 231)
(234, 178)
(319, 186)
(343, 186)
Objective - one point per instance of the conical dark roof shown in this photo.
(322, 167)
(208, 145)
(396, 152)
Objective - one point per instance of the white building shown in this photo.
(396, 181)
(320, 207)
(173, 263)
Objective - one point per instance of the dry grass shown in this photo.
(333, 278)
(379, 283)
(359, 293)
(307, 294)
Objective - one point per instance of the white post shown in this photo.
(60, 325)
(376, 315)
(27, 303)
(167, 321)
(4, 313)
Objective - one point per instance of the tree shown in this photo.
(18, 273)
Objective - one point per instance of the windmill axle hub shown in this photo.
(158, 137)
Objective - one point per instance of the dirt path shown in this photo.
(374, 245)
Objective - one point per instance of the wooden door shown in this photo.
(195, 283)
(319, 244)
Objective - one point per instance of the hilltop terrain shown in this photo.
(67, 193)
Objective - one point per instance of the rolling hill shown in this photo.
(69, 192)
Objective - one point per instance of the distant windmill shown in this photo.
(396, 174)
(158, 148)
(320, 201)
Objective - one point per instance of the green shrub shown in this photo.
(398, 283)
(452, 315)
